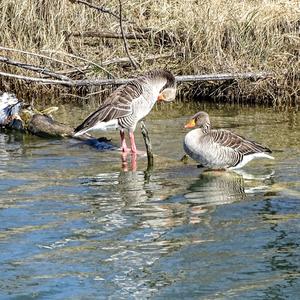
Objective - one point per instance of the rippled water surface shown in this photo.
(75, 225)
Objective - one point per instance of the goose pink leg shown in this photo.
(132, 142)
(123, 142)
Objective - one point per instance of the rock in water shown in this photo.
(45, 126)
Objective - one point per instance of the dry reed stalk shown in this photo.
(221, 36)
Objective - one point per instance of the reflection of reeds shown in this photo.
(208, 37)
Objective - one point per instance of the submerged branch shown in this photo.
(148, 145)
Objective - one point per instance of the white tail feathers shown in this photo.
(265, 155)
(80, 132)
(102, 126)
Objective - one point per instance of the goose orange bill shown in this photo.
(190, 124)
(161, 97)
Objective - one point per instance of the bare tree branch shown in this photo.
(33, 68)
(134, 64)
(83, 59)
(223, 76)
(70, 83)
(35, 79)
(37, 55)
(179, 79)
(99, 8)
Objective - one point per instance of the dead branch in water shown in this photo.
(148, 145)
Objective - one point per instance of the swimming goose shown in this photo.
(129, 103)
(219, 148)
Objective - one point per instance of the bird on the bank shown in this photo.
(9, 108)
(129, 103)
(219, 148)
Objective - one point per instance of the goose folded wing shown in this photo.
(238, 143)
(117, 105)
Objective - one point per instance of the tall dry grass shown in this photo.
(205, 36)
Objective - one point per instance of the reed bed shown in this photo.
(185, 36)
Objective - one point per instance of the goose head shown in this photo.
(201, 120)
(165, 83)
(167, 94)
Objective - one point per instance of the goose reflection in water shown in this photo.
(215, 188)
(133, 161)
(156, 199)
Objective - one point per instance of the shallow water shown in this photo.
(74, 225)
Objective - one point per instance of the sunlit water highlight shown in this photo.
(74, 225)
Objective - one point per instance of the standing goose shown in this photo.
(219, 148)
(129, 103)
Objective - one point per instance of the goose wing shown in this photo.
(117, 105)
(237, 142)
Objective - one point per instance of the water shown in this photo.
(74, 225)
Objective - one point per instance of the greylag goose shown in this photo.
(129, 103)
(219, 148)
